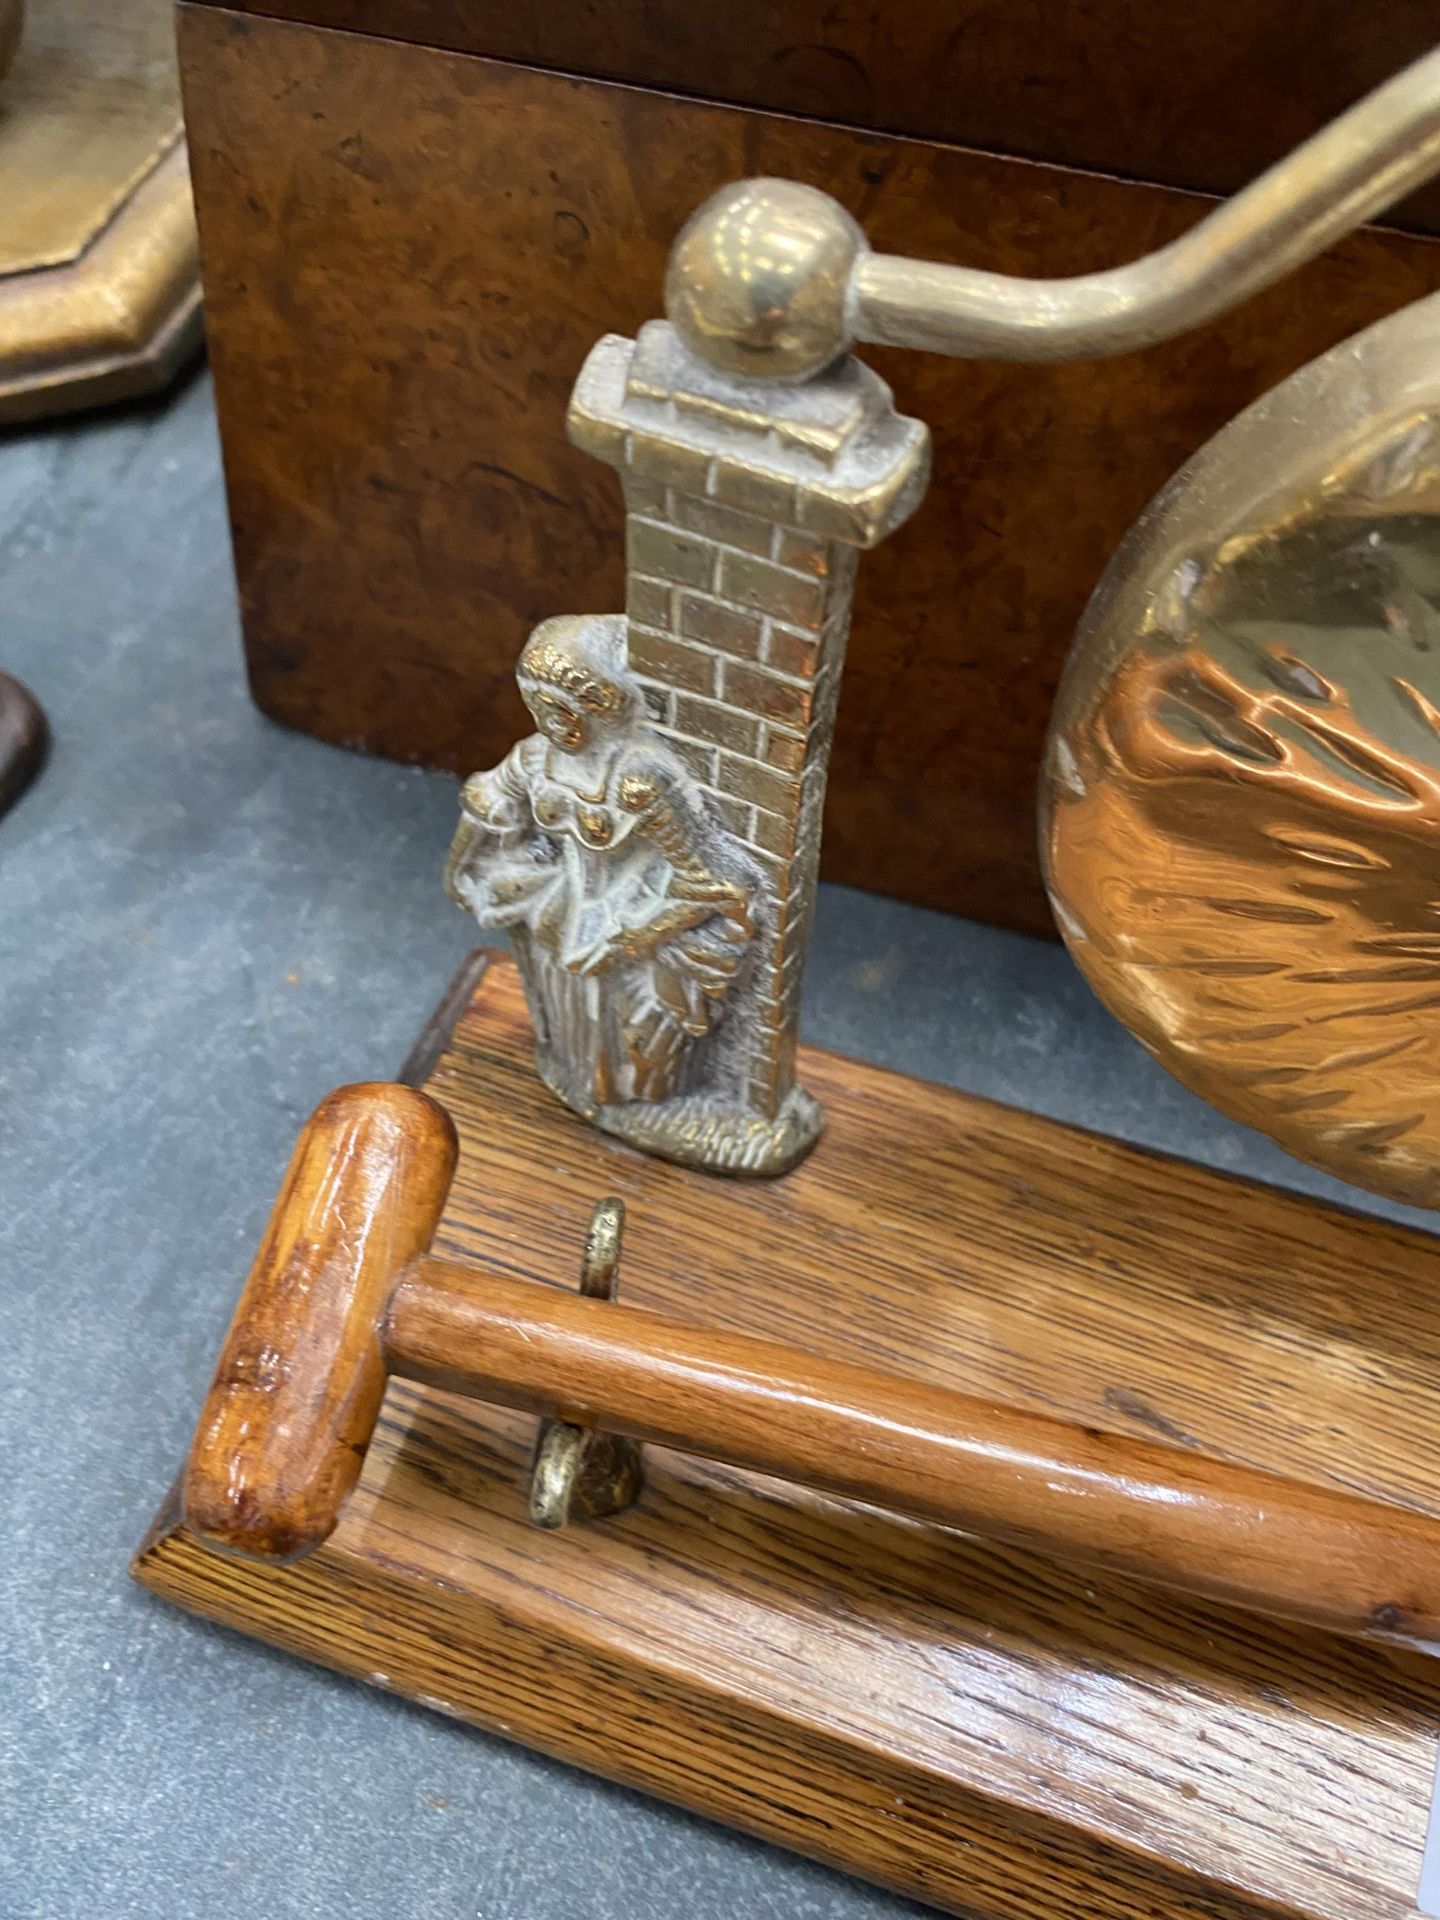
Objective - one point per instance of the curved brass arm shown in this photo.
(773, 279)
(1374, 154)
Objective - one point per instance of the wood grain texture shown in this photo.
(1200, 94)
(981, 1728)
(1118, 1505)
(300, 1378)
(408, 253)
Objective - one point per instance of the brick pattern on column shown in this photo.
(738, 638)
(746, 505)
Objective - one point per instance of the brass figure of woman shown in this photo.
(630, 917)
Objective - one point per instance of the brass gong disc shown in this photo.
(1240, 804)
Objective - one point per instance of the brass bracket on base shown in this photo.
(580, 1472)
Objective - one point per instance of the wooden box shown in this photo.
(417, 216)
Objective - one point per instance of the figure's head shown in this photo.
(572, 677)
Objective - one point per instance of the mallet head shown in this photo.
(297, 1392)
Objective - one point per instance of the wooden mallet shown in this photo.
(344, 1293)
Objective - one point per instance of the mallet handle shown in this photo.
(1126, 1506)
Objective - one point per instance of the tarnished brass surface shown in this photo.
(99, 264)
(581, 1472)
(652, 848)
(24, 740)
(629, 911)
(1241, 796)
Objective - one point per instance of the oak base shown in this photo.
(988, 1731)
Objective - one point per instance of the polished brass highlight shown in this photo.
(756, 279)
(759, 278)
(1241, 813)
(1241, 797)
(581, 1472)
(99, 262)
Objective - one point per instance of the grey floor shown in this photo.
(206, 923)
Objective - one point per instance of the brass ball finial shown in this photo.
(759, 278)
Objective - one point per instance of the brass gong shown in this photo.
(1240, 803)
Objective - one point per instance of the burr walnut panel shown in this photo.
(1199, 93)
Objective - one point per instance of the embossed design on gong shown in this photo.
(1241, 801)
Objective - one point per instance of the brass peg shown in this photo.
(579, 1471)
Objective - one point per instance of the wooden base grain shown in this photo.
(985, 1730)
